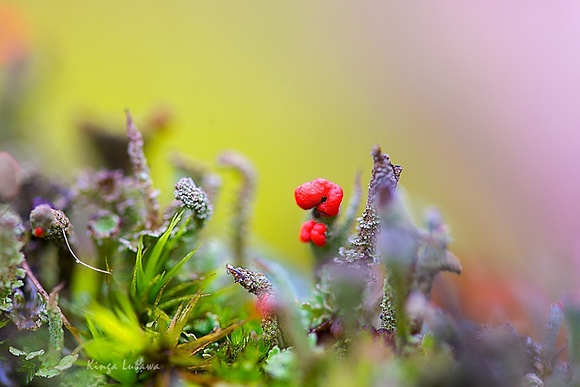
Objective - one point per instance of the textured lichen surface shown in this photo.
(385, 177)
(11, 256)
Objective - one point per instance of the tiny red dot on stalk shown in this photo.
(38, 232)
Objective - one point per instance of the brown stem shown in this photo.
(46, 297)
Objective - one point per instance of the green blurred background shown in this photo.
(476, 101)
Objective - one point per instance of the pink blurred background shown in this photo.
(493, 90)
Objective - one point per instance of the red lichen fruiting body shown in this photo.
(325, 195)
(305, 230)
(38, 232)
(310, 194)
(312, 231)
(331, 205)
(318, 234)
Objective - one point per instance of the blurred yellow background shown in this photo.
(478, 102)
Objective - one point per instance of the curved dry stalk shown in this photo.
(77, 258)
(243, 206)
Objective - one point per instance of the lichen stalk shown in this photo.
(141, 173)
(259, 285)
(193, 198)
(433, 257)
(243, 205)
(384, 175)
(210, 181)
(11, 256)
(342, 230)
(388, 310)
(362, 250)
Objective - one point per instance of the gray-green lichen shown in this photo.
(193, 198)
(388, 310)
(362, 250)
(384, 175)
(259, 285)
(254, 282)
(141, 173)
(433, 256)
(48, 223)
(210, 181)
(11, 257)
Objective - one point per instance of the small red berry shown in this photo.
(38, 232)
(318, 234)
(320, 193)
(305, 230)
(309, 194)
(312, 231)
(331, 205)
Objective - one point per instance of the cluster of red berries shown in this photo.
(324, 198)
